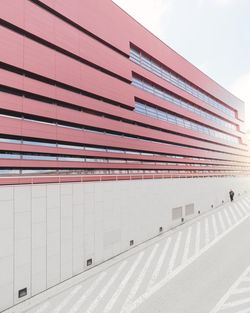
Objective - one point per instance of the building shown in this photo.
(100, 120)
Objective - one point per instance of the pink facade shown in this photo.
(88, 94)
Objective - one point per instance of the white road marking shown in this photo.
(241, 290)
(235, 303)
(67, 299)
(233, 214)
(43, 307)
(214, 226)
(243, 208)
(221, 222)
(198, 238)
(207, 239)
(240, 210)
(174, 255)
(159, 263)
(187, 245)
(97, 300)
(237, 212)
(247, 203)
(230, 222)
(139, 280)
(180, 268)
(230, 291)
(80, 302)
(122, 285)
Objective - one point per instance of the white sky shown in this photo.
(214, 35)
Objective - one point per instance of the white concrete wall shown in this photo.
(48, 232)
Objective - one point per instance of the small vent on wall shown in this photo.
(22, 292)
(177, 213)
(189, 209)
(89, 262)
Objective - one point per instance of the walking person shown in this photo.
(231, 194)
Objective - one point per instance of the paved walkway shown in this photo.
(141, 281)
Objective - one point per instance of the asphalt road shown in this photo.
(201, 267)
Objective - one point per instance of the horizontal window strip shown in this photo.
(105, 132)
(171, 118)
(162, 71)
(163, 94)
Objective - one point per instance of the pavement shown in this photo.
(202, 266)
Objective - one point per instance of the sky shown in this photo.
(214, 35)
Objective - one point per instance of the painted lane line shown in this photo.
(82, 299)
(180, 268)
(233, 214)
(229, 292)
(43, 308)
(97, 300)
(207, 238)
(214, 226)
(241, 290)
(221, 222)
(159, 264)
(230, 222)
(198, 238)
(67, 299)
(174, 255)
(139, 280)
(187, 245)
(244, 209)
(235, 303)
(122, 285)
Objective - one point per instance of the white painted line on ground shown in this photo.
(187, 245)
(164, 281)
(241, 290)
(230, 291)
(237, 212)
(67, 299)
(198, 238)
(230, 222)
(174, 255)
(159, 263)
(235, 303)
(122, 285)
(43, 308)
(241, 211)
(247, 203)
(207, 239)
(139, 280)
(97, 300)
(233, 214)
(221, 221)
(82, 299)
(244, 209)
(214, 226)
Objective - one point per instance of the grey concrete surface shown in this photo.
(188, 270)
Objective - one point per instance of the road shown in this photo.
(200, 267)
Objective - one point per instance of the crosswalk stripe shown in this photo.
(243, 208)
(207, 239)
(247, 204)
(174, 255)
(139, 281)
(187, 245)
(198, 238)
(67, 299)
(159, 263)
(230, 222)
(235, 303)
(97, 300)
(241, 290)
(122, 285)
(82, 299)
(221, 221)
(237, 212)
(214, 225)
(233, 214)
(229, 292)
